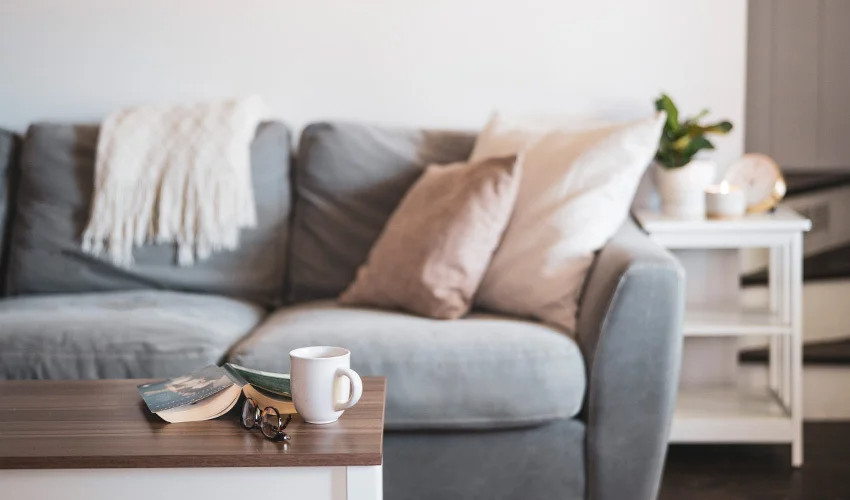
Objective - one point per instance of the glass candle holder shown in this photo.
(725, 201)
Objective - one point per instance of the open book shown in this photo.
(213, 391)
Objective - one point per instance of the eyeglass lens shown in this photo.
(269, 420)
(250, 414)
(272, 425)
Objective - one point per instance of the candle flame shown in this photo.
(724, 187)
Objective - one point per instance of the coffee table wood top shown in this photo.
(59, 424)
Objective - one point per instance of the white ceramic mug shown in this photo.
(320, 390)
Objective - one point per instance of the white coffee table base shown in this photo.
(209, 483)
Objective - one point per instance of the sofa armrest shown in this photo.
(10, 152)
(629, 330)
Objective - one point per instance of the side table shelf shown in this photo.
(730, 415)
(733, 412)
(734, 321)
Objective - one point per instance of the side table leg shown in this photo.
(796, 281)
(364, 483)
(774, 282)
(788, 317)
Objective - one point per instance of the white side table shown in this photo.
(723, 410)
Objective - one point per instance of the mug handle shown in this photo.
(356, 388)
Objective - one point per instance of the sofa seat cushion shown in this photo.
(480, 372)
(139, 334)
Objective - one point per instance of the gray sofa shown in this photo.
(485, 407)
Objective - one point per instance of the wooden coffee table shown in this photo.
(96, 440)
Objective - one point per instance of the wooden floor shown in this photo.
(705, 472)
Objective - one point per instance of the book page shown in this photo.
(205, 409)
(263, 398)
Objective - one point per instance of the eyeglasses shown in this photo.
(270, 422)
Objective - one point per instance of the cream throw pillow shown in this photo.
(436, 246)
(576, 190)
(506, 135)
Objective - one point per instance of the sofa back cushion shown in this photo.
(9, 152)
(349, 178)
(57, 171)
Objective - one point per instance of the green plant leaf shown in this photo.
(682, 143)
(664, 103)
(697, 144)
(723, 127)
(669, 160)
(720, 128)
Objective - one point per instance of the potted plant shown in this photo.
(680, 175)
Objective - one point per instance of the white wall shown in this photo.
(442, 63)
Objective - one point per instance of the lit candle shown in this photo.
(725, 201)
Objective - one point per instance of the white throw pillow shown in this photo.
(575, 192)
(513, 133)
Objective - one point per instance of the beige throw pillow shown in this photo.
(438, 243)
(577, 186)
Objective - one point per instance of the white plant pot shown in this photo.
(682, 190)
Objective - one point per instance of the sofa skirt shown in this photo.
(543, 462)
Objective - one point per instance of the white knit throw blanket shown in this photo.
(174, 174)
